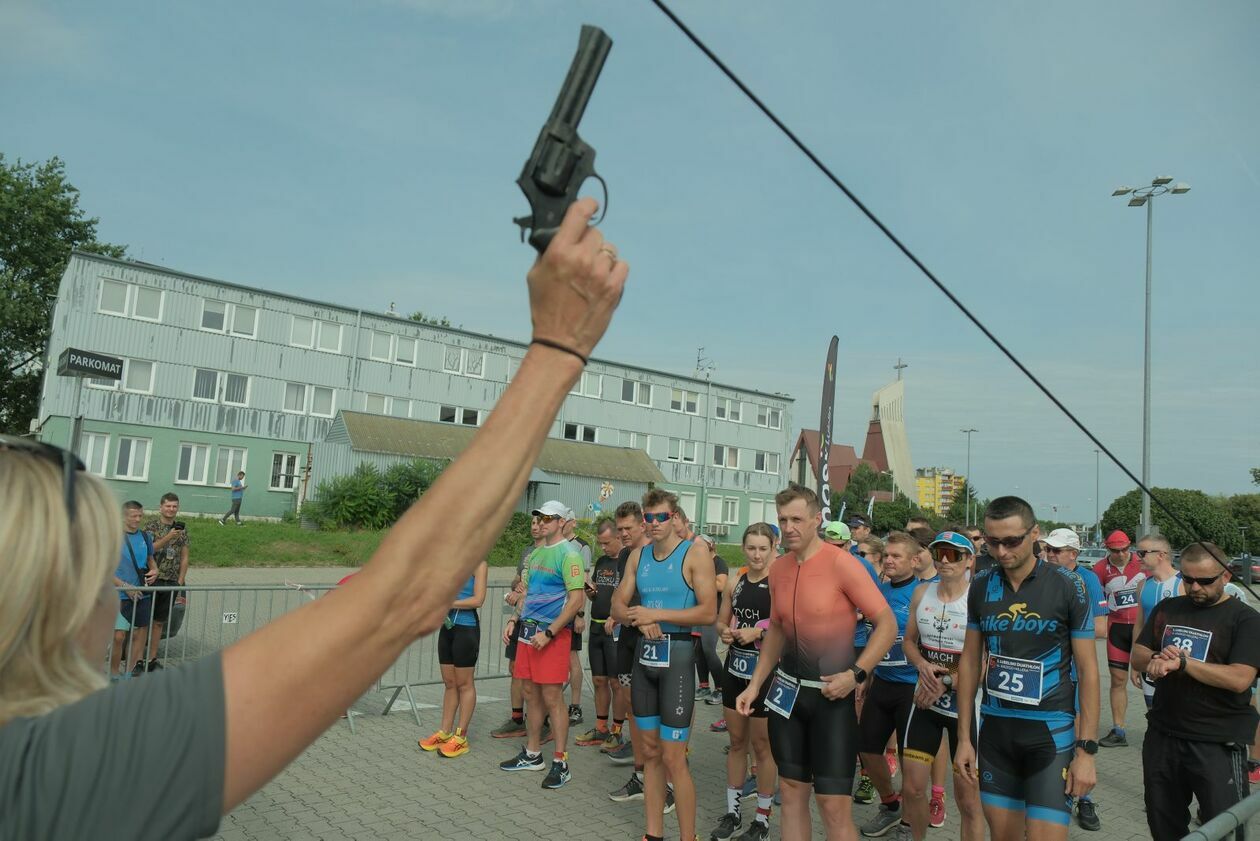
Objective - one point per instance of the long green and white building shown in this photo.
(219, 377)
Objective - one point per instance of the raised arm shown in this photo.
(331, 650)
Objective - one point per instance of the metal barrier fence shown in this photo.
(206, 619)
(1229, 821)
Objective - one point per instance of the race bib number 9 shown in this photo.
(529, 630)
(655, 653)
(1190, 640)
(743, 662)
(1014, 679)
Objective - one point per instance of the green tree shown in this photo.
(1255, 475)
(863, 480)
(892, 516)
(1245, 509)
(40, 223)
(1209, 518)
(421, 317)
(957, 512)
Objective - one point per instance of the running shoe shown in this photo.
(509, 729)
(865, 792)
(453, 747)
(611, 742)
(155, 665)
(623, 755)
(558, 775)
(435, 741)
(715, 698)
(594, 736)
(1253, 774)
(936, 812)
(718, 726)
(890, 756)
(702, 693)
(669, 801)
(632, 790)
(757, 832)
(523, 762)
(1087, 815)
(726, 827)
(884, 822)
(1114, 739)
(575, 714)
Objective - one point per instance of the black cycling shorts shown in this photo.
(575, 640)
(458, 646)
(627, 646)
(733, 686)
(1023, 766)
(162, 602)
(602, 653)
(885, 711)
(818, 744)
(663, 698)
(510, 651)
(923, 735)
(1119, 645)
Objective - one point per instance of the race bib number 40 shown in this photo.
(655, 653)
(1014, 679)
(743, 662)
(1190, 640)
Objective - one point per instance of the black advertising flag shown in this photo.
(824, 430)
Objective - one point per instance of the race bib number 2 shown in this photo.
(781, 697)
(1190, 640)
(1015, 679)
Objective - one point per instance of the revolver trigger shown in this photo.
(525, 222)
(603, 206)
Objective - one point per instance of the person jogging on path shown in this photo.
(1029, 621)
(602, 648)
(673, 579)
(459, 641)
(1202, 650)
(1121, 576)
(1062, 548)
(553, 596)
(933, 645)
(743, 621)
(815, 593)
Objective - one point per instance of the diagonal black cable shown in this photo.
(904, 249)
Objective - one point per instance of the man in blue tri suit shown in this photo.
(674, 582)
(1030, 621)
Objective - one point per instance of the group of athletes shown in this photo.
(967, 653)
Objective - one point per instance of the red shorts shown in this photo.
(551, 665)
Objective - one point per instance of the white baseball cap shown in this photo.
(1063, 539)
(552, 508)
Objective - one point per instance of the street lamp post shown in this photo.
(1146, 196)
(968, 487)
(1097, 498)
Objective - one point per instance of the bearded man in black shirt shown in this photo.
(1202, 650)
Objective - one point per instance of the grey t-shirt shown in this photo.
(142, 759)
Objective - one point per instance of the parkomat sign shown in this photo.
(77, 363)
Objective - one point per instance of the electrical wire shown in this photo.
(944, 290)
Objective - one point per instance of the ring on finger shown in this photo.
(609, 250)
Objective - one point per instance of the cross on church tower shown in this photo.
(899, 366)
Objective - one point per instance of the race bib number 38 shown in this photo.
(1190, 640)
(1014, 679)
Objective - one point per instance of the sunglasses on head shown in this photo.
(1008, 542)
(949, 555)
(1202, 582)
(660, 517)
(69, 463)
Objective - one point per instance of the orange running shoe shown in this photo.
(434, 742)
(453, 747)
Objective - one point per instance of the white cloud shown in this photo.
(33, 34)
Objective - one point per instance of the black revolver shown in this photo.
(561, 160)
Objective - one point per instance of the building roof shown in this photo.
(403, 320)
(427, 439)
(842, 455)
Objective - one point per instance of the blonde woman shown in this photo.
(72, 752)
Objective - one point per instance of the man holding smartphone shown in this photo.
(170, 550)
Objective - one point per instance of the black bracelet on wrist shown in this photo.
(560, 347)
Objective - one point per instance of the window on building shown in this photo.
(474, 363)
(447, 414)
(113, 297)
(194, 463)
(231, 461)
(727, 409)
(322, 402)
(236, 390)
(95, 452)
(206, 385)
(453, 360)
(684, 451)
(687, 502)
(400, 408)
(726, 456)
(377, 404)
(382, 346)
(214, 316)
(405, 352)
(589, 385)
(147, 304)
(302, 333)
(712, 509)
(730, 511)
(769, 417)
(138, 376)
(766, 462)
(284, 471)
(470, 363)
(295, 398)
(762, 511)
(454, 414)
(633, 440)
(133, 459)
(580, 432)
(636, 392)
(244, 321)
(329, 337)
(681, 400)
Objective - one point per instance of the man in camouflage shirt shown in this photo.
(170, 550)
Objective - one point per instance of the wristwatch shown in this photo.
(1183, 660)
(1088, 745)
(549, 634)
(947, 679)
(859, 673)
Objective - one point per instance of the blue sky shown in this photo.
(366, 152)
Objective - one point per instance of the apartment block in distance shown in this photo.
(218, 377)
(937, 487)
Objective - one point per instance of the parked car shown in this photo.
(1089, 557)
(1236, 567)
